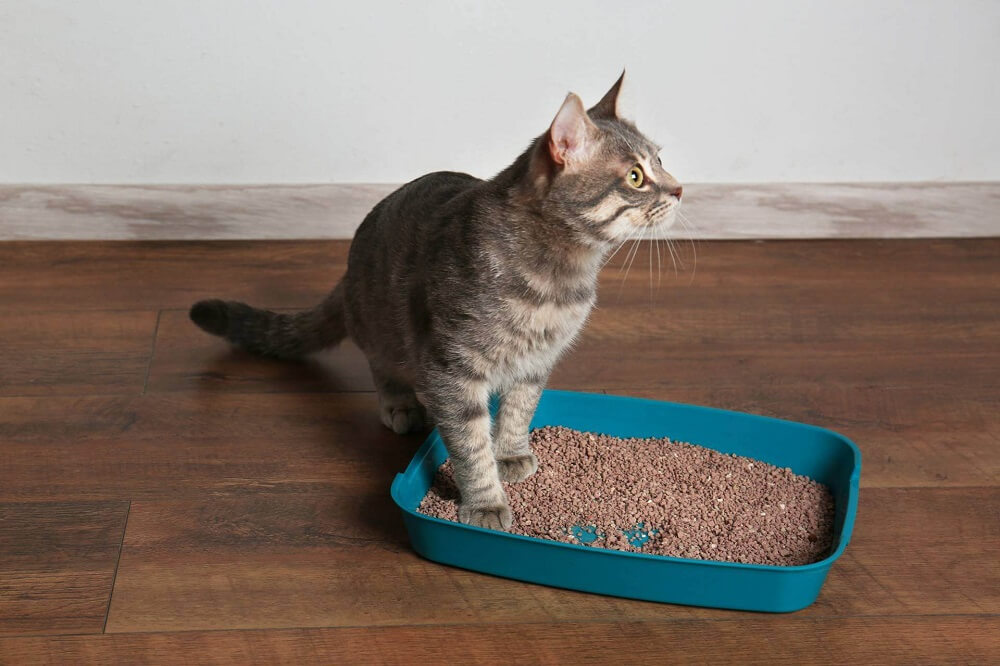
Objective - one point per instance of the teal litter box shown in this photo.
(816, 452)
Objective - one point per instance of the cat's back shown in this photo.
(420, 200)
(398, 243)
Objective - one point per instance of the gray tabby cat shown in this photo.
(461, 288)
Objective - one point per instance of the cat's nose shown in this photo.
(677, 192)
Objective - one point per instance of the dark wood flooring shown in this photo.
(164, 499)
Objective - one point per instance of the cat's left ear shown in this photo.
(610, 107)
(571, 135)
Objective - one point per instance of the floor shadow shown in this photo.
(380, 453)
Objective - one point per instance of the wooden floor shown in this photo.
(163, 499)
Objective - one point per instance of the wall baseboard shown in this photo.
(751, 211)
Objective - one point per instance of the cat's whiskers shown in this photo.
(617, 250)
(690, 226)
(630, 258)
(656, 228)
(649, 256)
(653, 230)
(680, 255)
(673, 255)
(630, 254)
(676, 256)
(659, 266)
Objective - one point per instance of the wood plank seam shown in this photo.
(152, 352)
(114, 576)
(444, 625)
(741, 617)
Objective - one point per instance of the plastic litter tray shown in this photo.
(816, 452)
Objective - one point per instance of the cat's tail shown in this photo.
(272, 334)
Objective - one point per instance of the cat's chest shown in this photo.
(532, 337)
(536, 315)
(536, 331)
(549, 320)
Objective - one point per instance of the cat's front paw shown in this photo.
(491, 517)
(517, 468)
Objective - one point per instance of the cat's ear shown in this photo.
(611, 107)
(571, 135)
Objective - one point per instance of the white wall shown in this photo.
(279, 91)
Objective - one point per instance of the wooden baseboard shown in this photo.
(765, 211)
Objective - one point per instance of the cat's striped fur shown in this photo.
(460, 288)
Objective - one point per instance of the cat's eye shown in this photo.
(635, 176)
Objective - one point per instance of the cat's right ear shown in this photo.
(611, 107)
(571, 135)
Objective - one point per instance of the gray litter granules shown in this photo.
(660, 497)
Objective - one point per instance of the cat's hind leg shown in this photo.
(399, 408)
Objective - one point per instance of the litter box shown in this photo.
(818, 453)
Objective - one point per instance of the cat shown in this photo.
(462, 288)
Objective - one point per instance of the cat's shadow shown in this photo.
(380, 453)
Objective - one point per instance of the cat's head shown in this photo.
(595, 170)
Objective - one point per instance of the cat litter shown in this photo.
(660, 497)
